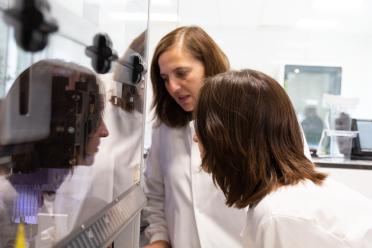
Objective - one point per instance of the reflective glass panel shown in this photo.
(71, 119)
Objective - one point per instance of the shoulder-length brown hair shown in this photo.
(251, 137)
(202, 47)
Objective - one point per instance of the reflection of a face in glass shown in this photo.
(76, 124)
(87, 85)
(93, 144)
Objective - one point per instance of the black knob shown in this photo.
(138, 68)
(32, 23)
(101, 53)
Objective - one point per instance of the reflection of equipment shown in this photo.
(25, 112)
(131, 70)
(337, 137)
(30, 188)
(32, 23)
(46, 120)
(362, 144)
(101, 53)
(128, 74)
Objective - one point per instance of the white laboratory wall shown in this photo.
(268, 49)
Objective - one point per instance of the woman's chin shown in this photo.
(187, 108)
(87, 160)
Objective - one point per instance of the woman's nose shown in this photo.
(173, 85)
(103, 132)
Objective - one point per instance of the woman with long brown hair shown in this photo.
(251, 143)
(185, 208)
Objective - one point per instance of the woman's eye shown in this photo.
(165, 80)
(181, 74)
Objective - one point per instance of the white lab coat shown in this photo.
(307, 216)
(184, 206)
(7, 227)
(117, 164)
(115, 169)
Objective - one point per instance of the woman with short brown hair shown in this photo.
(251, 143)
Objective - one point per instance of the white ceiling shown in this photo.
(351, 16)
(341, 15)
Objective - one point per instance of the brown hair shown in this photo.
(251, 137)
(202, 47)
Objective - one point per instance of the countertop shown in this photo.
(342, 163)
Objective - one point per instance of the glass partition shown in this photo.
(3, 48)
(71, 117)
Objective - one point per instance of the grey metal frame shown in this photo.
(101, 229)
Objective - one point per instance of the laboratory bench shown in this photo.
(342, 163)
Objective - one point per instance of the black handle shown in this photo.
(32, 23)
(101, 53)
(138, 69)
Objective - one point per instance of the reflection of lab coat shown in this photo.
(119, 156)
(117, 164)
(7, 227)
(183, 203)
(115, 167)
(308, 216)
(69, 198)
